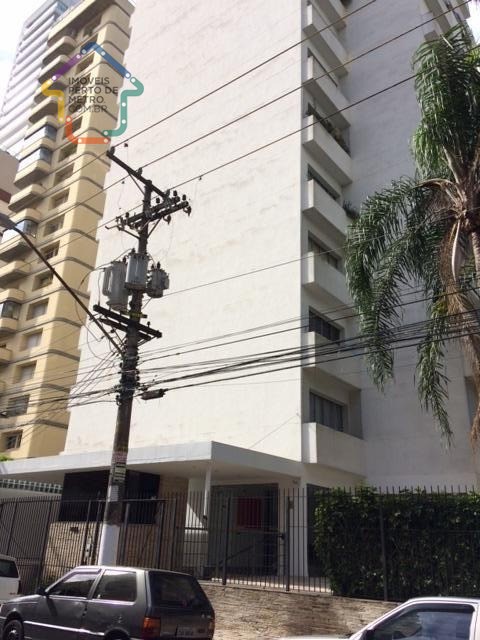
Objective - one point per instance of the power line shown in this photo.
(240, 157)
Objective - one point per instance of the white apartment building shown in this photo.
(23, 80)
(258, 267)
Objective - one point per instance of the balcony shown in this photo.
(8, 325)
(447, 20)
(13, 271)
(26, 214)
(326, 91)
(26, 197)
(50, 69)
(321, 144)
(324, 356)
(63, 46)
(335, 12)
(320, 278)
(59, 84)
(5, 355)
(33, 172)
(321, 209)
(15, 295)
(13, 248)
(334, 449)
(48, 107)
(326, 41)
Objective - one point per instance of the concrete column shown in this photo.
(196, 523)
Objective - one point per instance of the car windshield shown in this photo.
(175, 591)
(8, 569)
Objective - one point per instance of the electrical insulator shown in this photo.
(137, 271)
(157, 282)
(114, 285)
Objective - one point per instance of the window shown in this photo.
(44, 132)
(42, 280)
(249, 513)
(32, 340)
(9, 309)
(323, 327)
(63, 175)
(326, 412)
(117, 585)
(57, 201)
(53, 226)
(39, 154)
(86, 62)
(37, 309)
(317, 178)
(323, 252)
(334, 131)
(8, 569)
(13, 440)
(27, 226)
(175, 591)
(26, 372)
(445, 621)
(76, 124)
(91, 26)
(18, 406)
(67, 151)
(77, 585)
(51, 251)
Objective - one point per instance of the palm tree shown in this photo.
(425, 231)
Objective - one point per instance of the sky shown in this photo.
(19, 10)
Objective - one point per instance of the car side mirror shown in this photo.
(41, 591)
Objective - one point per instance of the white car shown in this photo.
(9, 578)
(423, 619)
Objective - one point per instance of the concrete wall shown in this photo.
(249, 614)
(245, 217)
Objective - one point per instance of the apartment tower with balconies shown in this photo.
(58, 204)
(24, 75)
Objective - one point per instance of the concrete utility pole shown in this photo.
(137, 285)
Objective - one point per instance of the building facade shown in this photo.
(58, 203)
(23, 80)
(258, 268)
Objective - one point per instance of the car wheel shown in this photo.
(13, 631)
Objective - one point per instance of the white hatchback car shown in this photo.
(10, 585)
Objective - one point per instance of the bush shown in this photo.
(431, 543)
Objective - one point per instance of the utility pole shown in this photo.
(136, 281)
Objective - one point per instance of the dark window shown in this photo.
(175, 591)
(323, 327)
(249, 513)
(9, 309)
(117, 585)
(326, 412)
(8, 569)
(77, 585)
(18, 406)
(317, 178)
(13, 440)
(323, 252)
(428, 621)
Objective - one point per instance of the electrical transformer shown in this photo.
(137, 271)
(114, 285)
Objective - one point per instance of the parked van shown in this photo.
(9, 578)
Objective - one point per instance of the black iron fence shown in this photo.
(361, 543)
(228, 536)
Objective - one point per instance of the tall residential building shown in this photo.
(259, 266)
(58, 204)
(23, 80)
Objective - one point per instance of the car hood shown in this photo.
(21, 599)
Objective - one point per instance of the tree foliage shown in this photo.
(425, 231)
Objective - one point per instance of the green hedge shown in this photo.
(431, 543)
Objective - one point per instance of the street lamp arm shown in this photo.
(7, 223)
